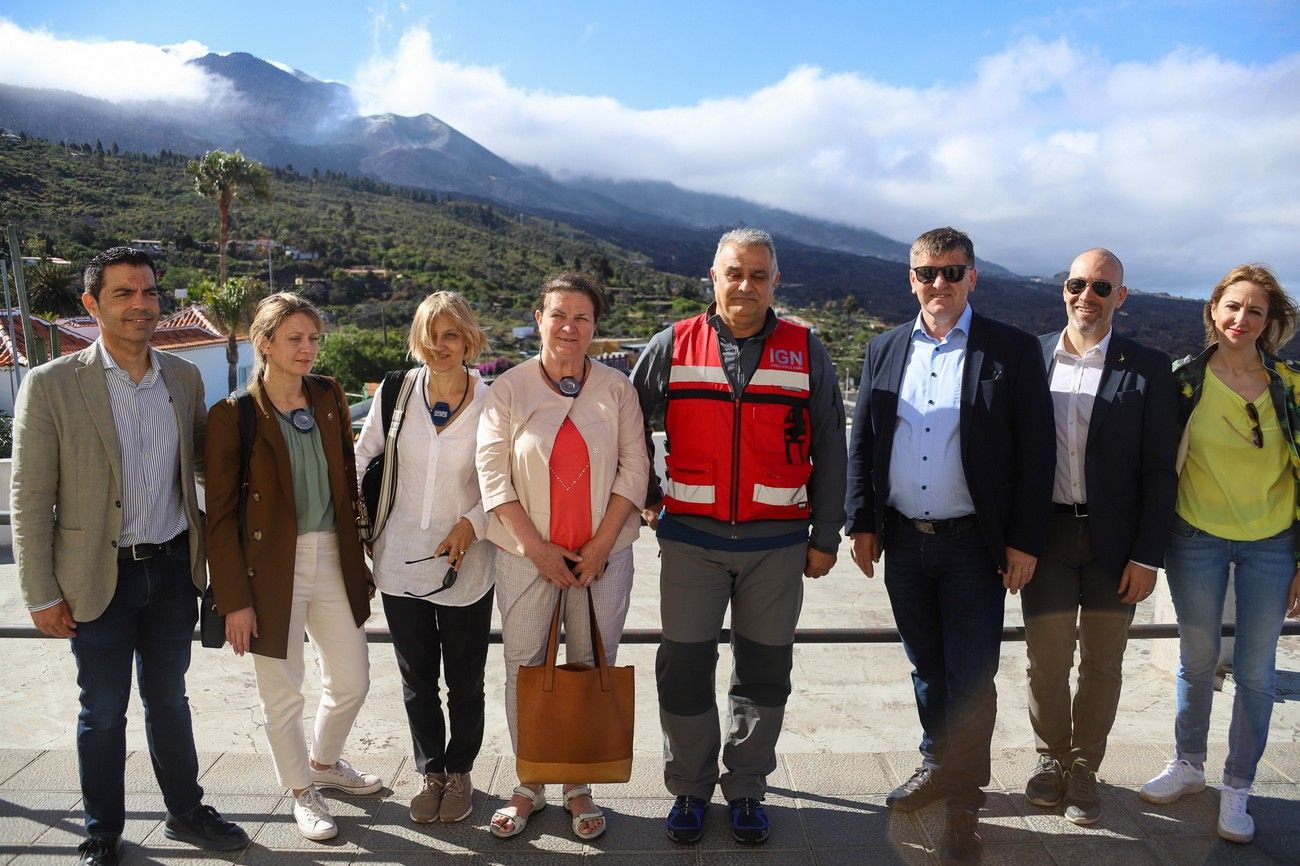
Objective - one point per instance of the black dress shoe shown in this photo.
(1047, 786)
(961, 844)
(916, 792)
(203, 826)
(99, 851)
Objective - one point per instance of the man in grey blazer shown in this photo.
(109, 543)
(1113, 497)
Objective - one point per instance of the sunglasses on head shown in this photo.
(1100, 288)
(951, 273)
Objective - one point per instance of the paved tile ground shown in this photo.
(850, 735)
(825, 809)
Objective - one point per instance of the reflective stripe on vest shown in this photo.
(738, 459)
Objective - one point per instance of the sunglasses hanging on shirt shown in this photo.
(440, 413)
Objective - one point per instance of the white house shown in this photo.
(188, 333)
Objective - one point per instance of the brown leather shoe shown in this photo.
(425, 805)
(916, 792)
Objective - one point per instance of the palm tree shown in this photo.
(52, 290)
(230, 305)
(223, 177)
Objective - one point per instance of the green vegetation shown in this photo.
(224, 177)
(231, 305)
(366, 251)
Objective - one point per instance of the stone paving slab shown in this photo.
(828, 811)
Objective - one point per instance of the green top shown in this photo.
(1228, 487)
(311, 478)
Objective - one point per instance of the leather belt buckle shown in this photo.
(141, 552)
(925, 526)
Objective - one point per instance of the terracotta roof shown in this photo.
(187, 329)
(13, 343)
(190, 316)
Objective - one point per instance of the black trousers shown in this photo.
(427, 636)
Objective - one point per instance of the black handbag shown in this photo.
(379, 481)
(212, 625)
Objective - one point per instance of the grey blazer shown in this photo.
(67, 478)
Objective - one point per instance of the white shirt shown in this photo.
(437, 485)
(1075, 382)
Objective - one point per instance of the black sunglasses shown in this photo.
(448, 581)
(952, 273)
(1100, 288)
(1256, 431)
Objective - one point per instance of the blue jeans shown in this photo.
(1197, 565)
(948, 598)
(151, 621)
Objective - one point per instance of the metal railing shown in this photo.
(1012, 633)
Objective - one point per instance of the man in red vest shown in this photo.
(756, 459)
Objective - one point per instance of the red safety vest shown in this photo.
(738, 457)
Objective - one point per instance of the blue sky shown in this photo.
(1167, 131)
(659, 54)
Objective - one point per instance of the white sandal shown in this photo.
(580, 819)
(537, 798)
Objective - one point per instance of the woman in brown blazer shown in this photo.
(303, 567)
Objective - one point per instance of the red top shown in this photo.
(570, 488)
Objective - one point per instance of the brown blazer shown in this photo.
(261, 575)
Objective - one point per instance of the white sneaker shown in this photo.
(342, 777)
(314, 819)
(1235, 823)
(1176, 779)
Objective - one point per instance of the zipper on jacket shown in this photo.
(735, 461)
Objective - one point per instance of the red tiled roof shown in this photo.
(189, 317)
(189, 328)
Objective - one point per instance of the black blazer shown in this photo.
(1129, 458)
(1008, 447)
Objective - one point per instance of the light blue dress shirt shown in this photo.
(926, 478)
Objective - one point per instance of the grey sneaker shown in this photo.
(1047, 786)
(457, 798)
(1082, 800)
(342, 777)
(425, 805)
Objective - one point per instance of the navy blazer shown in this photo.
(1008, 450)
(1128, 466)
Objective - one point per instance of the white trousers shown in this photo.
(526, 601)
(320, 606)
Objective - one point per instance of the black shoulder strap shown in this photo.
(247, 430)
(388, 397)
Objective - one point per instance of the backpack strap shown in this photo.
(388, 396)
(393, 396)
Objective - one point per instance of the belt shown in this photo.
(937, 527)
(138, 552)
(1074, 509)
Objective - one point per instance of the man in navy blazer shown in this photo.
(1117, 432)
(950, 474)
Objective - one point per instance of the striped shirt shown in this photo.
(152, 509)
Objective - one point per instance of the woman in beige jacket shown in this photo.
(563, 468)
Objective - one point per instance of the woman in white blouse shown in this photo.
(431, 566)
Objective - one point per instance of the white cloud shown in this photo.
(117, 71)
(1184, 164)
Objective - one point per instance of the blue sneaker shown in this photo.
(686, 819)
(748, 821)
